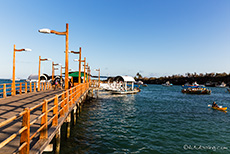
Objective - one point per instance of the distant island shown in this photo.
(208, 79)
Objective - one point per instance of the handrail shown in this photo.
(60, 105)
(22, 87)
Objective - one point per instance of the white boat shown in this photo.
(17, 79)
(222, 85)
(126, 92)
(167, 84)
(123, 83)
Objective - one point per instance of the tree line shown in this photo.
(208, 79)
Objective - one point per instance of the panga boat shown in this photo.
(126, 86)
(126, 92)
(220, 108)
(193, 85)
(196, 91)
(167, 84)
(222, 85)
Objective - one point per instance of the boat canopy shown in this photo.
(124, 78)
(33, 77)
(76, 74)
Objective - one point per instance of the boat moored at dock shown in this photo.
(125, 85)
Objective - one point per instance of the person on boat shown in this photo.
(215, 105)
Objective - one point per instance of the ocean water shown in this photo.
(156, 120)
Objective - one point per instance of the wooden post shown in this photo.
(84, 69)
(70, 98)
(13, 91)
(79, 73)
(25, 135)
(35, 86)
(25, 87)
(62, 105)
(66, 56)
(20, 90)
(74, 115)
(52, 71)
(30, 87)
(57, 141)
(42, 86)
(55, 111)
(4, 90)
(67, 102)
(39, 68)
(44, 119)
(68, 119)
(45, 86)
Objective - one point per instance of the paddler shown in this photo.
(215, 105)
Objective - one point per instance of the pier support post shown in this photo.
(78, 111)
(57, 142)
(25, 87)
(25, 135)
(20, 90)
(30, 87)
(34, 86)
(4, 91)
(68, 119)
(74, 115)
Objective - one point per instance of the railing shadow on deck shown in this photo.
(41, 121)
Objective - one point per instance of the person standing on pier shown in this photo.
(70, 84)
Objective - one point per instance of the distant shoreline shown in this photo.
(211, 79)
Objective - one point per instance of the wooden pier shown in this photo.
(29, 122)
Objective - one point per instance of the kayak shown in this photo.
(218, 108)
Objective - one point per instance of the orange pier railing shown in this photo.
(41, 123)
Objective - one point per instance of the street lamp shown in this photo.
(87, 72)
(98, 75)
(79, 60)
(39, 69)
(66, 33)
(79, 69)
(13, 88)
(53, 69)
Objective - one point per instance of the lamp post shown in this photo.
(79, 76)
(89, 74)
(39, 69)
(13, 89)
(86, 67)
(66, 33)
(79, 73)
(98, 76)
(53, 69)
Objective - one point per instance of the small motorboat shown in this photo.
(196, 91)
(167, 84)
(222, 85)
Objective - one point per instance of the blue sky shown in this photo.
(122, 37)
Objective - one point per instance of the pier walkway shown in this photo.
(30, 121)
(14, 105)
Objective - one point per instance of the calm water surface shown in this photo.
(156, 120)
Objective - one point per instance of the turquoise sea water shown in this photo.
(156, 120)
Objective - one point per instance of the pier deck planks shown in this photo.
(11, 106)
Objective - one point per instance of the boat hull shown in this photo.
(199, 91)
(125, 92)
(220, 109)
